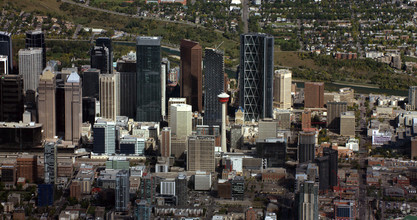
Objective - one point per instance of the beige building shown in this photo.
(109, 100)
(46, 103)
(73, 108)
(181, 120)
(172, 101)
(165, 142)
(347, 124)
(282, 89)
(200, 153)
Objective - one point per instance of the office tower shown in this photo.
(99, 59)
(200, 153)
(181, 189)
(334, 111)
(314, 95)
(412, 96)
(30, 67)
(132, 145)
(50, 165)
(147, 188)
(238, 187)
(172, 101)
(283, 118)
(143, 210)
(347, 124)
(333, 165)
(178, 146)
(104, 141)
(345, 210)
(306, 144)
(168, 187)
(4, 65)
(274, 150)
(6, 48)
(202, 181)
(267, 129)
(106, 42)
(11, 98)
(109, 96)
(213, 85)
(324, 169)
(27, 167)
(148, 69)
(307, 201)
(36, 39)
(45, 195)
(256, 75)
(164, 73)
(46, 103)
(191, 81)
(181, 120)
(73, 108)
(305, 120)
(89, 110)
(282, 89)
(122, 190)
(127, 70)
(166, 142)
(91, 84)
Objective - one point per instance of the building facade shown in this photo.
(122, 191)
(6, 48)
(73, 108)
(314, 95)
(200, 154)
(109, 96)
(36, 39)
(11, 98)
(181, 116)
(46, 103)
(50, 165)
(30, 67)
(282, 89)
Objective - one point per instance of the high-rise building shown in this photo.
(50, 165)
(238, 187)
(73, 108)
(191, 81)
(314, 95)
(106, 42)
(143, 210)
(104, 141)
(172, 101)
(345, 210)
(122, 190)
(274, 150)
(132, 145)
(334, 111)
(11, 98)
(27, 167)
(347, 124)
(282, 89)
(307, 201)
(256, 75)
(45, 195)
(412, 96)
(213, 85)
(99, 59)
(127, 70)
(166, 142)
(168, 187)
(6, 48)
(46, 103)
(109, 96)
(36, 39)
(181, 189)
(324, 172)
(180, 120)
(89, 110)
(333, 165)
(91, 86)
(178, 146)
(267, 129)
(4, 65)
(165, 64)
(200, 153)
(148, 69)
(30, 67)
(305, 120)
(306, 144)
(147, 188)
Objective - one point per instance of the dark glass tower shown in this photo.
(148, 78)
(6, 48)
(91, 83)
(213, 85)
(99, 59)
(36, 39)
(333, 155)
(106, 42)
(256, 75)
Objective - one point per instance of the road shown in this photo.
(135, 16)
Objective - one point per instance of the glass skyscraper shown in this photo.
(6, 48)
(148, 78)
(213, 85)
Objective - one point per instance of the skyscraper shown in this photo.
(6, 48)
(127, 70)
(324, 169)
(307, 201)
(314, 95)
(274, 150)
(4, 65)
(106, 42)
(147, 188)
(334, 111)
(122, 190)
(73, 108)
(213, 86)
(333, 156)
(166, 142)
(200, 154)
(191, 77)
(305, 120)
(11, 98)
(99, 59)
(30, 67)
(46, 103)
(282, 89)
(148, 69)
(164, 73)
(306, 144)
(412, 97)
(180, 120)
(132, 145)
(91, 86)
(109, 96)
(50, 165)
(104, 141)
(143, 210)
(36, 39)
(256, 75)
(181, 189)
